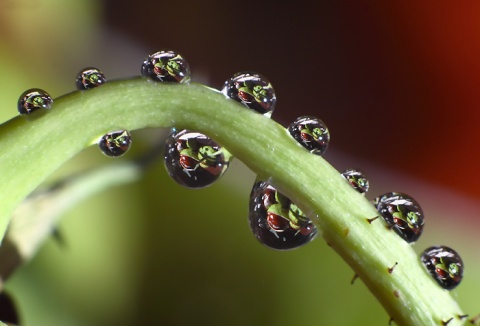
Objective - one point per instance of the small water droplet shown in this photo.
(253, 90)
(166, 66)
(90, 78)
(276, 221)
(357, 180)
(193, 159)
(116, 143)
(32, 100)
(444, 264)
(402, 213)
(311, 133)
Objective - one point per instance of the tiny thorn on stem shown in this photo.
(462, 316)
(474, 320)
(396, 294)
(445, 323)
(355, 276)
(390, 269)
(370, 220)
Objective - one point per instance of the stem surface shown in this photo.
(34, 148)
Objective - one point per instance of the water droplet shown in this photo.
(311, 133)
(90, 78)
(357, 180)
(34, 99)
(444, 264)
(166, 66)
(116, 143)
(276, 221)
(402, 213)
(193, 159)
(252, 90)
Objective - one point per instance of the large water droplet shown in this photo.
(445, 265)
(116, 143)
(193, 159)
(311, 133)
(166, 66)
(357, 180)
(276, 221)
(402, 213)
(252, 90)
(89, 78)
(33, 100)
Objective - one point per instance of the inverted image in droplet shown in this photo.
(357, 180)
(89, 78)
(402, 213)
(276, 221)
(193, 159)
(311, 133)
(33, 100)
(253, 90)
(444, 264)
(116, 143)
(166, 66)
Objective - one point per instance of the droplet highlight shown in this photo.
(252, 90)
(402, 213)
(166, 66)
(311, 133)
(444, 264)
(89, 78)
(116, 143)
(33, 100)
(193, 159)
(357, 180)
(276, 221)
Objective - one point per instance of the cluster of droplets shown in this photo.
(405, 217)
(194, 160)
(35, 100)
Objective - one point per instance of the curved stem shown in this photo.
(32, 149)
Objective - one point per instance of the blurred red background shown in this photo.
(397, 82)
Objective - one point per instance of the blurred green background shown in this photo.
(397, 84)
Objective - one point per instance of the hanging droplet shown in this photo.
(252, 90)
(193, 159)
(357, 180)
(445, 265)
(166, 66)
(311, 133)
(402, 213)
(276, 221)
(116, 143)
(90, 78)
(34, 99)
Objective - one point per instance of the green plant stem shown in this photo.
(32, 149)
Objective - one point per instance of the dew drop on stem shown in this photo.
(276, 221)
(193, 159)
(252, 90)
(311, 133)
(402, 213)
(357, 180)
(116, 143)
(33, 100)
(166, 66)
(89, 78)
(444, 264)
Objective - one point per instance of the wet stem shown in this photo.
(409, 295)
